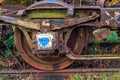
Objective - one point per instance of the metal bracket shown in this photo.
(61, 3)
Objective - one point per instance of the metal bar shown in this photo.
(61, 71)
(56, 75)
(49, 2)
(20, 23)
(77, 21)
(92, 57)
(33, 25)
(109, 18)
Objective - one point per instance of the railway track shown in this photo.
(93, 57)
(65, 40)
(55, 75)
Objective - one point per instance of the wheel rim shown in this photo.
(40, 63)
(78, 39)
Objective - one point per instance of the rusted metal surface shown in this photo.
(68, 71)
(56, 75)
(101, 34)
(39, 62)
(12, 7)
(110, 18)
(76, 41)
(101, 3)
(65, 30)
(22, 23)
(33, 25)
(61, 3)
(73, 22)
(92, 57)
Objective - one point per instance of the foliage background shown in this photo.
(19, 2)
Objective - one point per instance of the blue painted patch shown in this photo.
(47, 21)
(51, 0)
(70, 11)
(44, 42)
(58, 21)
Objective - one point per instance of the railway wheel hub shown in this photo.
(46, 41)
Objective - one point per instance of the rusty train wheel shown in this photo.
(43, 63)
(78, 39)
(80, 36)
